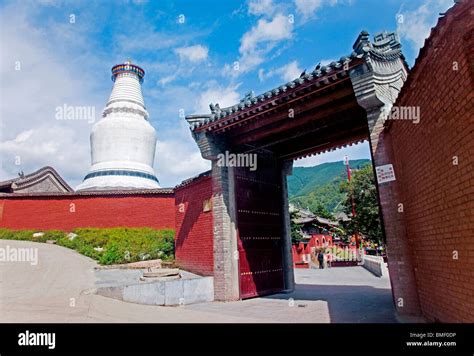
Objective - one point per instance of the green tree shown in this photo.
(320, 210)
(296, 235)
(367, 219)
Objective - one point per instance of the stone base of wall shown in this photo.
(376, 265)
(171, 292)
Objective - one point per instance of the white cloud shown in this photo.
(167, 79)
(178, 161)
(415, 25)
(30, 134)
(46, 146)
(23, 136)
(224, 96)
(261, 7)
(279, 28)
(256, 43)
(288, 72)
(307, 7)
(195, 53)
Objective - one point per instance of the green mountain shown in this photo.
(317, 188)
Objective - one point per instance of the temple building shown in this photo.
(123, 142)
(44, 180)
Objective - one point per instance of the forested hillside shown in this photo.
(317, 188)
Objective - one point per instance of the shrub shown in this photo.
(113, 254)
(108, 245)
(16, 234)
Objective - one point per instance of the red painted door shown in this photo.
(259, 223)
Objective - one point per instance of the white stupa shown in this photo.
(123, 142)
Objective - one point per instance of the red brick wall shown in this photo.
(45, 213)
(194, 227)
(399, 253)
(437, 195)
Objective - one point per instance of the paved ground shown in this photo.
(57, 289)
(352, 294)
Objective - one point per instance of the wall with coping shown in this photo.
(69, 211)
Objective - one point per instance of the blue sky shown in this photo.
(188, 50)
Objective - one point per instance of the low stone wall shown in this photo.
(173, 292)
(374, 264)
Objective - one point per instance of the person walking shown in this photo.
(321, 259)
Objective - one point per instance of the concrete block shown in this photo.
(145, 293)
(174, 291)
(198, 290)
(111, 292)
(171, 292)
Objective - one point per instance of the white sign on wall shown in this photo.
(385, 173)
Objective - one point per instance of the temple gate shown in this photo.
(339, 104)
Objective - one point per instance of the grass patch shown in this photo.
(108, 246)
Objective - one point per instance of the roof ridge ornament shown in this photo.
(215, 108)
(386, 41)
(361, 42)
(248, 96)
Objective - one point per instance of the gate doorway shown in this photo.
(339, 104)
(259, 225)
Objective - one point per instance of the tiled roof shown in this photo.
(123, 192)
(29, 178)
(385, 46)
(192, 179)
(305, 216)
(21, 181)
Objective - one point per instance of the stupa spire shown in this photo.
(123, 142)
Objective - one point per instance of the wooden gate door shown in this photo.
(259, 222)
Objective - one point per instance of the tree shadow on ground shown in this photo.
(346, 303)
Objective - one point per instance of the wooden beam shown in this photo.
(270, 115)
(327, 143)
(284, 123)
